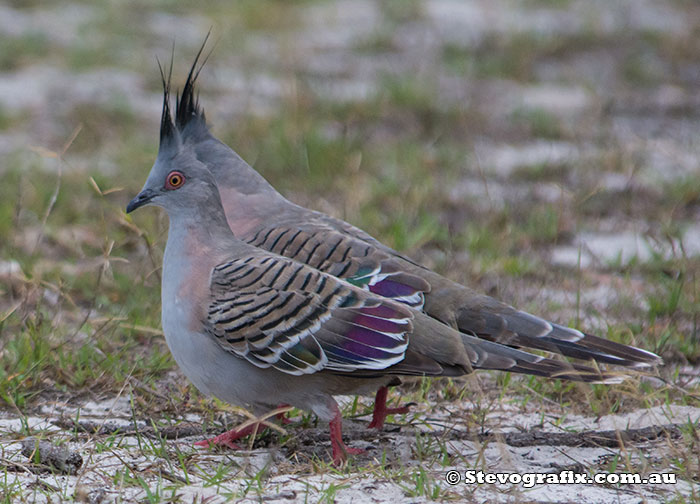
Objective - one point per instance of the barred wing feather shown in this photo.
(277, 313)
(345, 257)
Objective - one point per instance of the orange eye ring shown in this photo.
(174, 180)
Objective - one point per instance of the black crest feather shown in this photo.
(167, 128)
(189, 116)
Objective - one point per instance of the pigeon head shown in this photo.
(190, 127)
(178, 181)
(193, 165)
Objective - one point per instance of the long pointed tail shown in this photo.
(517, 328)
(489, 355)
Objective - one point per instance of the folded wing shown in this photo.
(281, 314)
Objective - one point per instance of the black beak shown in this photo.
(140, 200)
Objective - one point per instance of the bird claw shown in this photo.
(341, 452)
(378, 418)
(227, 438)
(381, 411)
(283, 419)
(340, 449)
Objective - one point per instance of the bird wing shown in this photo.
(345, 256)
(276, 312)
(347, 252)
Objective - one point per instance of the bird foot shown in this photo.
(340, 449)
(381, 411)
(227, 438)
(341, 452)
(379, 416)
(281, 418)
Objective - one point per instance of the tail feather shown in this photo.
(604, 350)
(521, 329)
(491, 355)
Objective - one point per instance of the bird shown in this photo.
(258, 329)
(258, 214)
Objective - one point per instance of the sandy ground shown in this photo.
(652, 128)
(104, 476)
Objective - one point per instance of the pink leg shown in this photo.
(280, 416)
(340, 450)
(381, 411)
(228, 438)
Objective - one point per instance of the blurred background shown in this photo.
(545, 152)
(542, 151)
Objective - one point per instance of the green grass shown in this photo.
(538, 123)
(23, 50)
(81, 321)
(66, 327)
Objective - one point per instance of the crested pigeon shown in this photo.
(261, 216)
(258, 329)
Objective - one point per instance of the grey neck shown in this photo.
(230, 170)
(204, 220)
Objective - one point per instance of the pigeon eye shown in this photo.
(175, 180)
